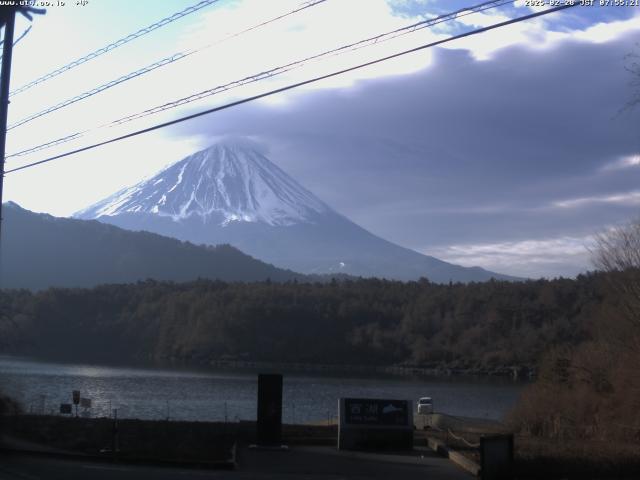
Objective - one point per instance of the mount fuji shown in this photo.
(231, 193)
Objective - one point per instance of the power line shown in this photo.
(149, 68)
(49, 144)
(114, 45)
(298, 63)
(303, 6)
(250, 79)
(295, 85)
(22, 35)
(96, 90)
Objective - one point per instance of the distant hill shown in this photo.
(40, 251)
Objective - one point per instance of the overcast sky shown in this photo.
(506, 150)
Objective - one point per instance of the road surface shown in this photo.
(303, 463)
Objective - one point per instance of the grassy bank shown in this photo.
(538, 457)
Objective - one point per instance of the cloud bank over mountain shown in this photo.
(530, 146)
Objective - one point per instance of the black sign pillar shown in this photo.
(496, 457)
(76, 399)
(269, 428)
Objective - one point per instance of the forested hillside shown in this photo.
(40, 251)
(372, 322)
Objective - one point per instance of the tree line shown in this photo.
(475, 326)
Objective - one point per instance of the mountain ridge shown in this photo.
(41, 251)
(240, 184)
(231, 193)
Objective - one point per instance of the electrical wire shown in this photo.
(22, 35)
(49, 144)
(295, 85)
(252, 78)
(114, 45)
(15, 42)
(149, 68)
(94, 91)
(299, 63)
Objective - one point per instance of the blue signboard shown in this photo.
(375, 424)
(366, 411)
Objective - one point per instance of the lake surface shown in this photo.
(179, 394)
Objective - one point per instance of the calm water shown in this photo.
(196, 395)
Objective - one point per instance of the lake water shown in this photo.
(179, 394)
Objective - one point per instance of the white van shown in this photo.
(425, 406)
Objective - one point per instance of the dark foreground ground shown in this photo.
(297, 463)
(76, 448)
(122, 439)
(70, 448)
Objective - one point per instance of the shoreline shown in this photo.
(516, 373)
(513, 372)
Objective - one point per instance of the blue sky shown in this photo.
(507, 150)
(570, 20)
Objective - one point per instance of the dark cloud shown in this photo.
(464, 151)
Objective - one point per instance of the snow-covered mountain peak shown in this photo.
(230, 181)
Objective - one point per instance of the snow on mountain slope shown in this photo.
(231, 193)
(228, 182)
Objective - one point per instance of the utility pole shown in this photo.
(9, 18)
(8, 22)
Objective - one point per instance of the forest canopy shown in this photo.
(476, 326)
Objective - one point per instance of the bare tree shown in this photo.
(617, 250)
(633, 67)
